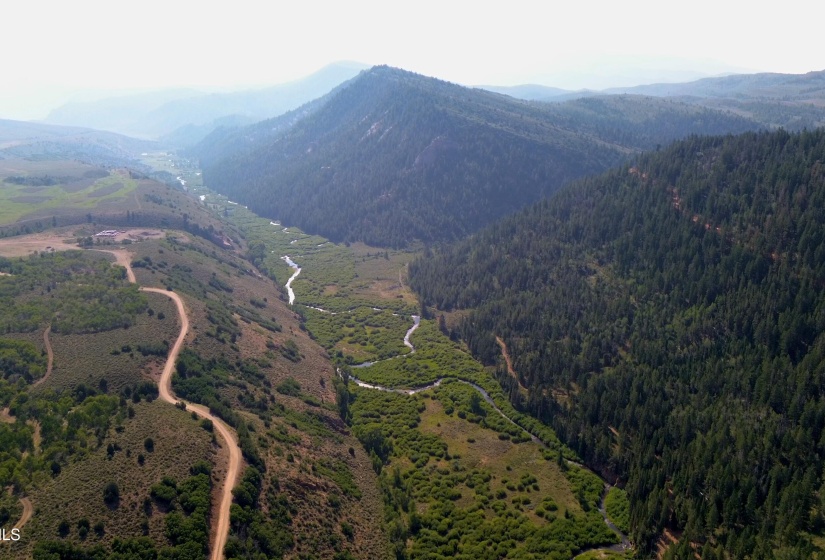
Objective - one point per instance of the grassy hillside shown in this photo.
(250, 360)
(76, 493)
(666, 319)
(51, 194)
(70, 432)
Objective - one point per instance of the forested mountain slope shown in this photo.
(667, 319)
(394, 156)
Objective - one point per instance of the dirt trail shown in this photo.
(220, 523)
(28, 511)
(50, 354)
(509, 362)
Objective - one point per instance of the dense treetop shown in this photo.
(667, 319)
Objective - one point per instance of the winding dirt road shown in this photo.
(123, 258)
(221, 523)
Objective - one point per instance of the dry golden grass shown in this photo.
(59, 240)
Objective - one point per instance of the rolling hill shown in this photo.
(393, 157)
(667, 320)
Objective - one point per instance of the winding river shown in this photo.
(625, 542)
(416, 321)
(288, 285)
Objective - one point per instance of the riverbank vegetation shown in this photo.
(441, 503)
(456, 476)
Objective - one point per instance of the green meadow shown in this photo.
(30, 188)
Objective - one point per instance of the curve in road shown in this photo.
(28, 511)
(221, 529)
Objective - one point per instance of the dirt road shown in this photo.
(221, 521)
(28, 511)
(510, 370)
(124, 259)
(221, 529)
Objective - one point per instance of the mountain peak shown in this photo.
(393, 156)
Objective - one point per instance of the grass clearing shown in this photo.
(57, 186)
(618, 508)
(502, 458)
(113, 355)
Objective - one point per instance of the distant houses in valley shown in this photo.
(109, 233)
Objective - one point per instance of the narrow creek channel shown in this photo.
(288, 285)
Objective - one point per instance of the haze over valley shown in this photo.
(430, 281)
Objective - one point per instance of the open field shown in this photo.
(22, 246)
(114, 355)
(39, 196)
(43, 187)
(507, 462)
(65, 239)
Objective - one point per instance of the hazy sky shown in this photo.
(52, 48)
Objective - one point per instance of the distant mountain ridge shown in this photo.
(393, 156)
(44, 141)
(790, 101)
(741, 86)
(529, 92)
(158, 114)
